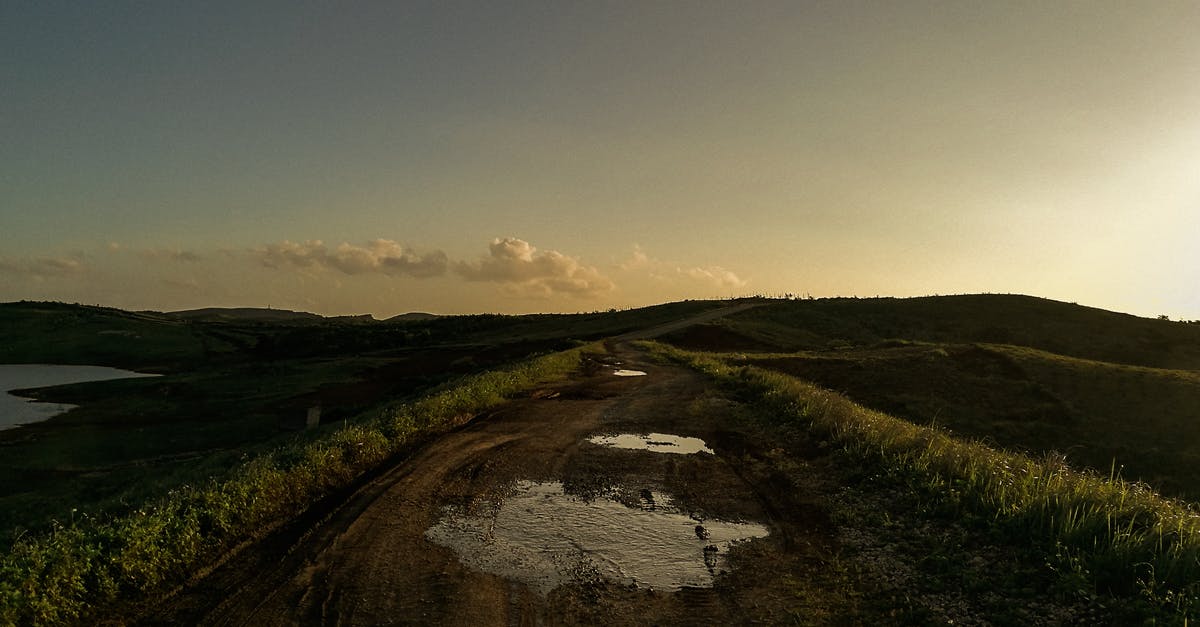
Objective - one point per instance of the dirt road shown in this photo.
(521, 518)
(663, 329)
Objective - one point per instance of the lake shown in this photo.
(15, 410)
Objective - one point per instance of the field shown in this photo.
(1109, 392)
(232, 388)
(944, 458)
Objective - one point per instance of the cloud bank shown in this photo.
(518, 264)
(637, 260)
(41, 267)
(167, 254)
(715, 276)
(380, 256)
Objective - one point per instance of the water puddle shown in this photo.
(629, 373)
(545, 538)
(654, 442)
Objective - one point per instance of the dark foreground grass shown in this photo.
(1119, 538)
(87, 564)
(1024, 399)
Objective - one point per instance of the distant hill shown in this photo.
(61, 333)
(412, 316)
(356, 318)
(245, 314)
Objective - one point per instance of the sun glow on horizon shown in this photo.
(397, 158)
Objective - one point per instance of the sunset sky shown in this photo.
(384, 157)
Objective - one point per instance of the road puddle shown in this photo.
(545, 538)
(655, 442)
(629, 373)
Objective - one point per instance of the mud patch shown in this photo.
(629, 373)
(654, 442)
(543, 537)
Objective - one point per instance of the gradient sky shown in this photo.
(386, 157)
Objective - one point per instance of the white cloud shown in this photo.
(288, 253)
(637, 259)
(656, 269)
(715, 275)
(380, 256)
(518, 264)
(169, 254)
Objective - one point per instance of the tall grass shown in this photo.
(1121, 537)
(88, 563)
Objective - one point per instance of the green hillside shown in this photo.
(1107, 390)
(1048, 381)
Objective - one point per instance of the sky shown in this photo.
(459, 157)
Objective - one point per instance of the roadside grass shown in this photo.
(1024, 399)
(1144, 418)
(132, 438)
(231, 386)
(87, 564)
(1105, 534)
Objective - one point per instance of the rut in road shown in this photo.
(375, 559)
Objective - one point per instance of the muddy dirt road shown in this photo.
(581, 504)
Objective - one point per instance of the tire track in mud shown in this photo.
(366, 560)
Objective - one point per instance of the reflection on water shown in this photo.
(629, 373)
(545, 538)
(655, 442)
(16, 410)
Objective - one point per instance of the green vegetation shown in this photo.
(34, 332)
(56, 333)
(1114, 537)
(1051, 326)
(90, 562)
(1053, 425)
(233, 386)
(1048, 388)
(150, 478)
(1025, 399)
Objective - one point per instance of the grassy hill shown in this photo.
(943, 509)
(1106, 390)
(1052, 326)
(32, 332)
(1023, 373)
(1053, 380)
(247, 314)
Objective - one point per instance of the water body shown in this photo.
(545, 538)
(655, 442)
(16, 410)
(629, 373)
